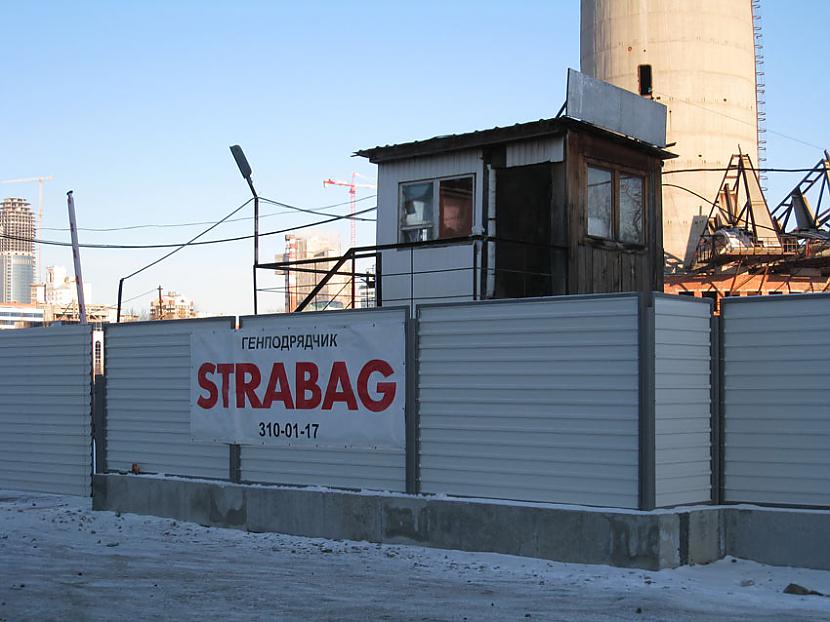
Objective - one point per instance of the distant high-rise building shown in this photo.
(17, 250)
(336, 294)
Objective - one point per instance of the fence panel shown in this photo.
(682, 359)
(148, 400)
(776, 413)
(347, 467)
(534, 400)
(46, 409)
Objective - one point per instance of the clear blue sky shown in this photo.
(133, 106)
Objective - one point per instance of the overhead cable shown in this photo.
(744, 121)
(722, 169)
(191, 243)
(210, 222)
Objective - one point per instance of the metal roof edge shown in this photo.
(483, 138)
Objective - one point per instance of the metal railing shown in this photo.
(714, 247)
(355, 279)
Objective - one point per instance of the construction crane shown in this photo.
(352, 186)
(40, 181)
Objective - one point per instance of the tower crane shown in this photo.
(352, 186)
(40, 181)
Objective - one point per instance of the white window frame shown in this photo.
(435, 225)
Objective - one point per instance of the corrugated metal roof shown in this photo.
(496, 135)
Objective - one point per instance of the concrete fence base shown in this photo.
(648, 540)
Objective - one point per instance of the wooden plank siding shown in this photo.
(600, 266)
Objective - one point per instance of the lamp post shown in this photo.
(245, 169)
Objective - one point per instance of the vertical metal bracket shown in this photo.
(412, 416)
(99, 422)
(234, 463)
(716, 398)
(647, 470)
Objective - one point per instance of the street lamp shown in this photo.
(245, 169)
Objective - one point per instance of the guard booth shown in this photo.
(565, 205)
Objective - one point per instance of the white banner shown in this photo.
(327, 384)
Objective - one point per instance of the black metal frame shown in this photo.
(353, 254)
(476, 241)
(821, 171)
(792, 247)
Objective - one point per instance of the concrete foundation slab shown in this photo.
(624, 538)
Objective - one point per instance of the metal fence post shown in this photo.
(647, 470)
(413, 449)
(235, 463)
(99, 422)
(716, 398)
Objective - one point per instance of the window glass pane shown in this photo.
(422, 234)
(416, 212)
(599, 202)
(456, 200)
(631, 209)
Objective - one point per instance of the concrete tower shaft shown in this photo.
(698, 58)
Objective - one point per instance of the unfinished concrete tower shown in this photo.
(697, 58)
(17, 250)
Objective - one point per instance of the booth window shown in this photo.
(600, 202)
(416, 212)
(454, 199)
(631, 208)
(616, 205)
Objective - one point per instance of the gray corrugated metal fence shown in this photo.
(682, 400)
(148, 400)
(539, 400)
(533, 400)
(776, 401)
(379, 469)
(45, 409)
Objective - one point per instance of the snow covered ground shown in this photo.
(61, 561)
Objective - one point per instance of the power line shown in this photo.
(723, 169)
(745, 122)
(700, 196)
(149, 291)
(209, 222)
(178, 248)
(191, 243)
(716, 204)
(309, 211)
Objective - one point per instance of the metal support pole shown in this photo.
(120, 292)
(354, 271)
(256, 242)
(76, 257)
(245, 170)
(379, 279)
